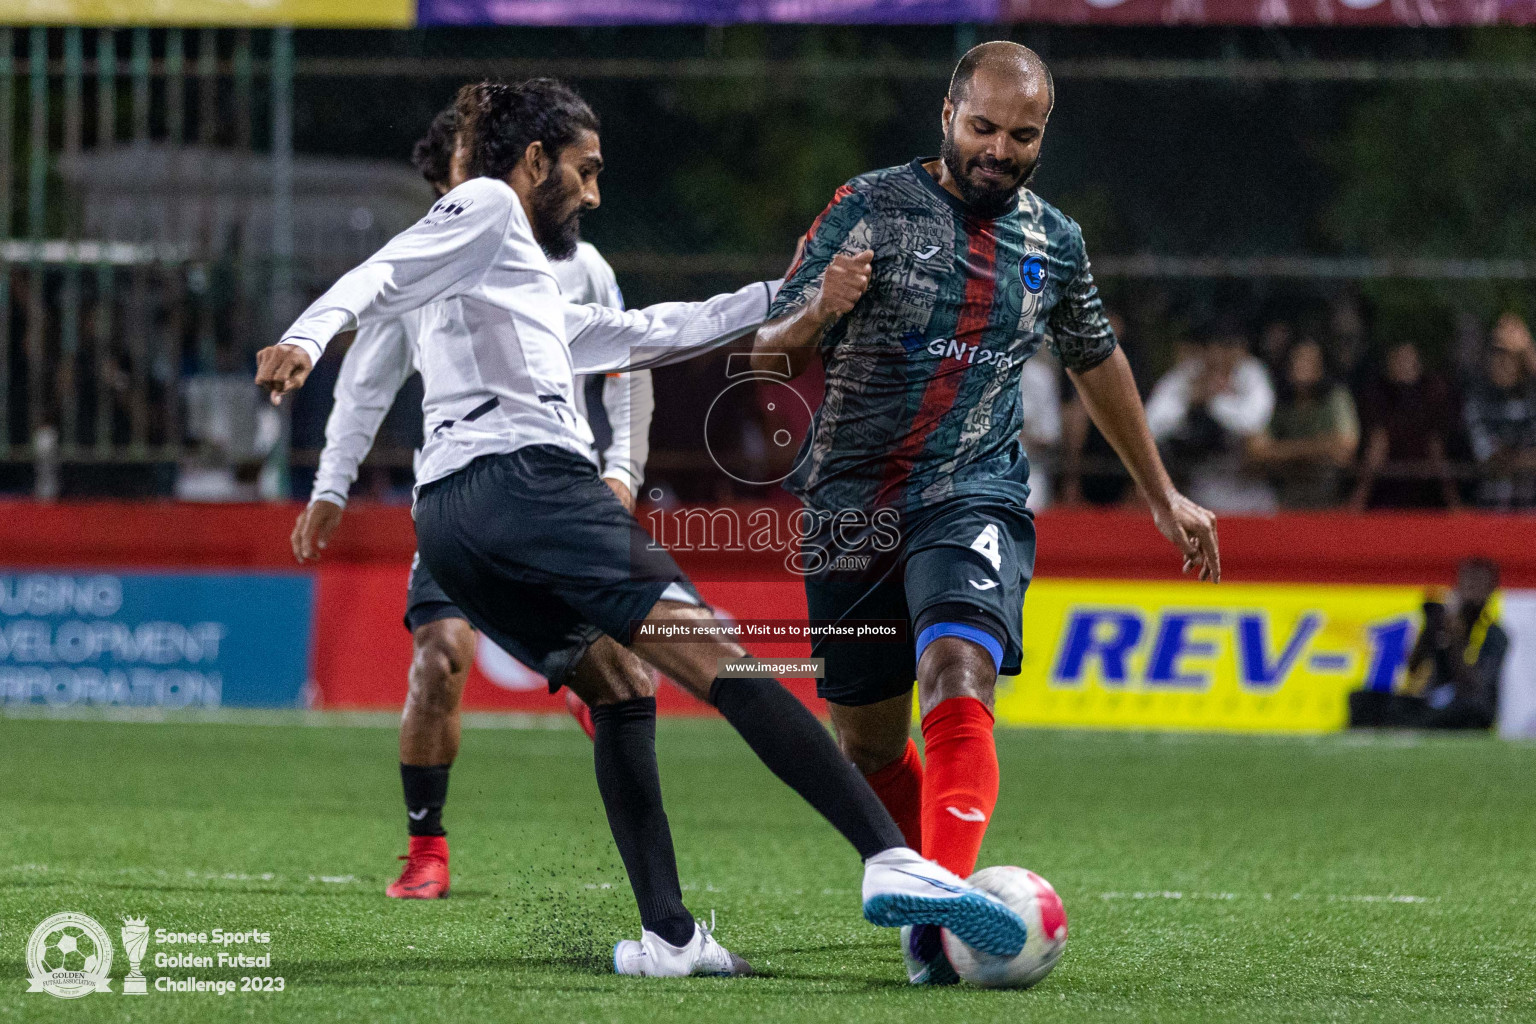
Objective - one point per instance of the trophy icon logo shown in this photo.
(135, 940)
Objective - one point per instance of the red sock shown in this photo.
(899, 785)
(960, 788)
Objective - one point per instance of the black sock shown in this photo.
(426, 790)
(795, 747)
(624, 752)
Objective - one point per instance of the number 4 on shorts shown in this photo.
(986, 542)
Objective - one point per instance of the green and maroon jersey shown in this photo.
(922, 377)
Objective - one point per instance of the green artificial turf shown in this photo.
(1205, 878)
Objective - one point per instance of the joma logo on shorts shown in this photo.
(950, 348)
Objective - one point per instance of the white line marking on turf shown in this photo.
(280, 717)
(227, 876)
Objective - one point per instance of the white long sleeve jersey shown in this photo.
(499, 346)
(385, 353)
(628, 399)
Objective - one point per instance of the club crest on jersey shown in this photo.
(444, 210)
(1032, 272)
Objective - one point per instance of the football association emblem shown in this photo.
(69, 956)
(1032, 272)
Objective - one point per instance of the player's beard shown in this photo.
(984, 200)
(557, 231)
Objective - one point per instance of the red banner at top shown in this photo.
(1342, 13)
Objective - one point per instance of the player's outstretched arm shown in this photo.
(799, 333)
(440, 255)
(607, 340)
(1109, 393)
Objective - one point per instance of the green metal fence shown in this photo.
(127, 264)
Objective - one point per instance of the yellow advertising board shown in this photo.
(1239, 658)
(297, 13)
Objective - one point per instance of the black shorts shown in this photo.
(541, 556)
(424, 600)
(942, 569)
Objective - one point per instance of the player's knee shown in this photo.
(955, 667)
(869, 754)
(609, 674)
(443, 651)
(959, 653)
(623, 686)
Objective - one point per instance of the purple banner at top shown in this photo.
(932, 12)
(704, 12)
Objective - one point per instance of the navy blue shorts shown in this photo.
(969, 559)
(424, 600)
(541, 556)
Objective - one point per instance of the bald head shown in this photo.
(994, 118)
(1002, 61)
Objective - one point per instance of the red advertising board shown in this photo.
(361, 652)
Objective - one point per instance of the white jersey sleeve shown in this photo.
(628, 398)
(444, 254)
(372, 372)
(630, 401)
(603, 340)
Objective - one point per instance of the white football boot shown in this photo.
(901, 888)
(655, 957)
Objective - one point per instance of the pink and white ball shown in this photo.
(1037, 903)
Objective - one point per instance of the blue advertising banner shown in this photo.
(155, 639)
(704, 12)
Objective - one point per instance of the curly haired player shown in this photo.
(521, 534)
(382, 356)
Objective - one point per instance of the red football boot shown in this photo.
(583, 714)
(426, 871)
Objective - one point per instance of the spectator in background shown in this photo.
(1456, 664)
(1090, 469)
(1205, 411)
(1313, 435)
(1275, 341)
(1040, 396)
(1408, 421)
(1501, 418)
(1347, 343)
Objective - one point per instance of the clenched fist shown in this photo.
(281, 369)
(843, 284)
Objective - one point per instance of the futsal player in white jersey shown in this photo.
(376, 365)
(517, 528)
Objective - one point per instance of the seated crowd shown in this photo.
(1305, 421)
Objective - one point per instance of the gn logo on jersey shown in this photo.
(444, 210)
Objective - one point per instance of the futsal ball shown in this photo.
(1033, 899)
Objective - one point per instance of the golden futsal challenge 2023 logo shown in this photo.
(70, 955)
